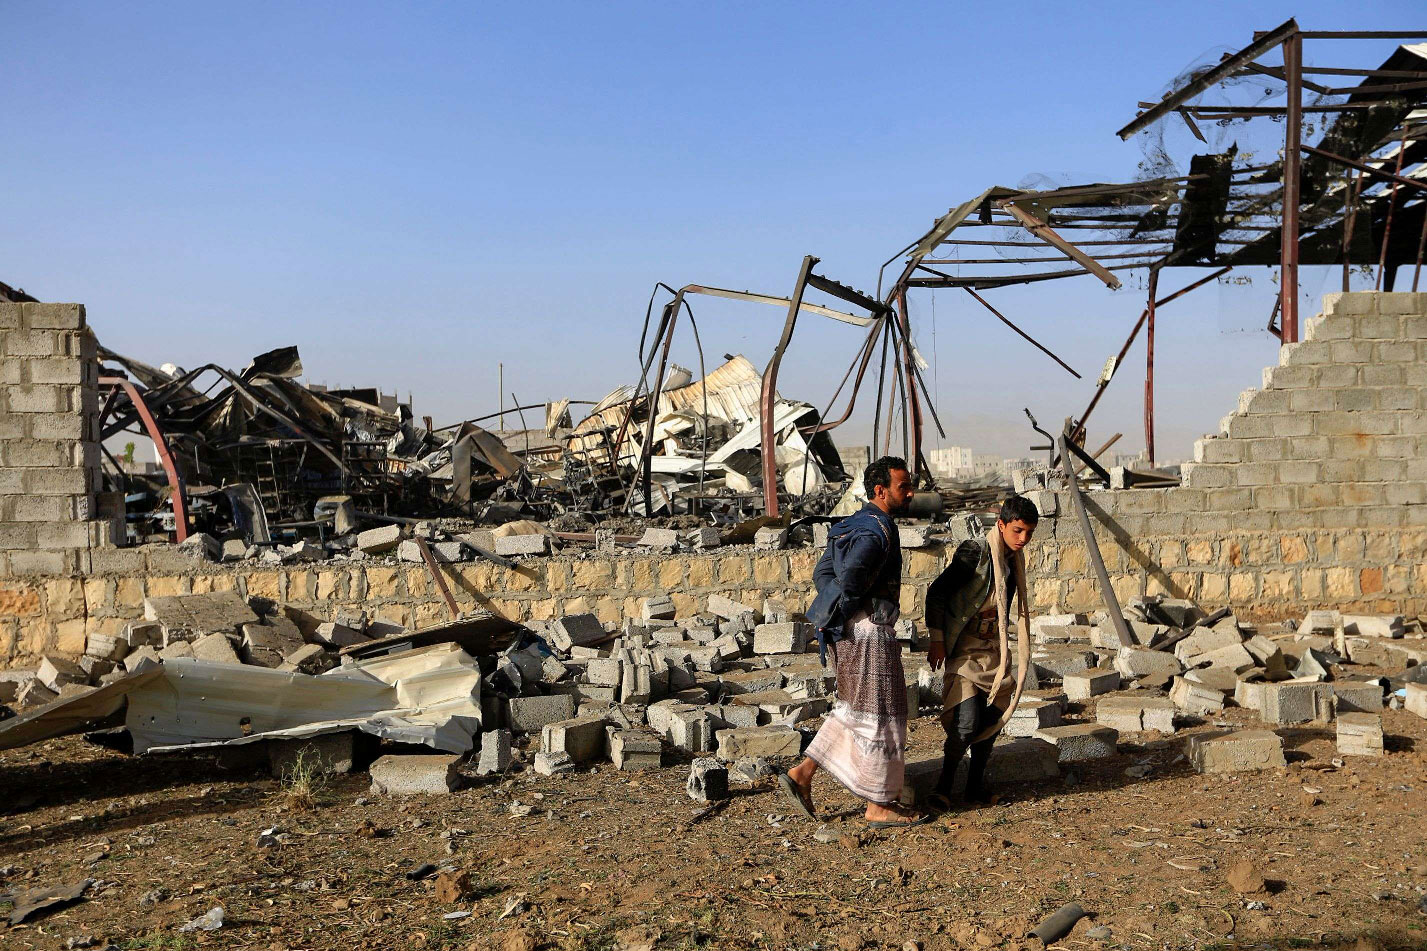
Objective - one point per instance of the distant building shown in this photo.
(855, 458)
(950, 459)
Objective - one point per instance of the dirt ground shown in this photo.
(611, 860)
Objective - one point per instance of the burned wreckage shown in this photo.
(259, 456)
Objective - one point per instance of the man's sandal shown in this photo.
(800, 800)
(913, 819)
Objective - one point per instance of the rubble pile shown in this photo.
(267, 464)
(728, 688)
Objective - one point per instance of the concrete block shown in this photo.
(1356, 696)
(1359, 734)
(1090, 683)
(1296, 701)
(553, 764)
(1032, 715)
(1065, 634)
(665, 538)
(334, 635)
(790, 637)
(1195, 699)
(495, 753)
(176, 649)
(529, 714)
(705, 537)
(1386, 625)
(1136, 714)
(912, 536)
(635, 749)
(1055, 664)
(1249, 694)
(1135, 662)
(728, 608)
(184, 617)
(32, 693)
(377, 541)
(55, 672)
(510, 546)
(308, 659)
(140, 658)
(581, 738)
(770, 538)
(215, 648)
(1233, 658)
(1076, 742)
(708, 780)
(1268, 655)
(775, 611)
(604, 672)
(659, 607)
(95, 668)
(106, 646)
(1205, 640)
(1416, 700)
(1321, 622)
(1235, 752)
(1023, 760)
(576, 629)
(765, 741)
(692, 728)
(332, 754)
(735, 715)
(402, 775)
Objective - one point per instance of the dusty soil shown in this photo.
(611, 860)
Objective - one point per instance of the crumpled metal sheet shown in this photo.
(73, 714)
(429, 696)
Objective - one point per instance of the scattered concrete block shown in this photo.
(708, 780)
(1136, 714)
(332, 634)
(530, 714)
(576, 629)
(265, 646)
(1356, 696)
(1023, 760)
(775, 611)
(1056, 663)
(309, 659)
(1076, 742)
(604, 672)
(553, 764)
(142, 633)
(1360, 734)
(111, 647)
(770, 538)
(510, 546)
(665, 538)
(790, 637)
(659, 607)
(1321, 622)
(141, 658)
(215, 648)
(1090, 683)
(1135, 662)
(176, 649)
(706, 659)
(1249, 694)
(54, 672)
(377, 541)
(404, 775)
(1205, 640)
(201, 546)
(739, 714)
(1233, 658)
(1215, 678)
(1296, 701)
(581, 738)
(1269, 656)
(768, 742)
(95, 667)
(234, 549)
(635, 749)
(750, 681)
(820, 535)
(1032, 715)
(1195, 698)
(302, 551)
(1364, 625)
(1416, 700)
(728, 608)
(692, 728)
(1235, 752)
(495, 753)
(705, 537)
(912, 536)
(32, 693)
(332, 754)
(751, 770)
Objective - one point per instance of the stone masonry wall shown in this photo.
(1312, 494)
(49, 441)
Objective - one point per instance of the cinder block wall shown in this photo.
(1312, 494)
(49, 441)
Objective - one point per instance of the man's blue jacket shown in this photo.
(861, 568)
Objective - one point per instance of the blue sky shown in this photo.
(411, 193)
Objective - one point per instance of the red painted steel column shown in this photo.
(1293, 134)
(1149, 367)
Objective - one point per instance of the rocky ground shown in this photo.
(609, 860)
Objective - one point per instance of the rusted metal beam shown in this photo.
(769, 394)
(1365, 169)
(430, 560)
(911, 401)
(1107, 593)
(1293, 140)
(1212, 77)
(156, 435)
(1033, 341)
(1043, 231)
(1149, 366)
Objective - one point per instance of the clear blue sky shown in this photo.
(411, 193)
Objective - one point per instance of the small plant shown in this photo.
(302, 782)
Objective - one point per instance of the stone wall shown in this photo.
(49, 441)
(1311, 495)
(41, 615)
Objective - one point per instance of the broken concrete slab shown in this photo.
(665, 538)
(1082, 685)
(1359, 734)
(378, 541)
(414, 775)
(553, 764)
(770, 538)
(1235, 752)
(32, 693)
(1030, 717)
(580, 738)
(1195, 698)
(659, 607)
(1390, 626)
(576, 630)
(215, 648)
(1415, 700)
(531, 714)
(511, 546)
(1075, 742)
(309, 659)
(268, 646)
(1022, 760)
(1296, 701)
(1055, 663)
(789, 637)
(1357, 696)
(708, 780)
(110, 647)
(334, 635)
(495, 753)
(1135, 662)
(768, 742)
(55, 672)
(184, 617)
(635, 749)
(728, 608)
(1129, 714)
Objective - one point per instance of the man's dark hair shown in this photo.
(1019, 507)
(880, 473)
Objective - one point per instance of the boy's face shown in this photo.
(1015, 534)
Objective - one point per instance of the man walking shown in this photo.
(968, 615)
(862, 743)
